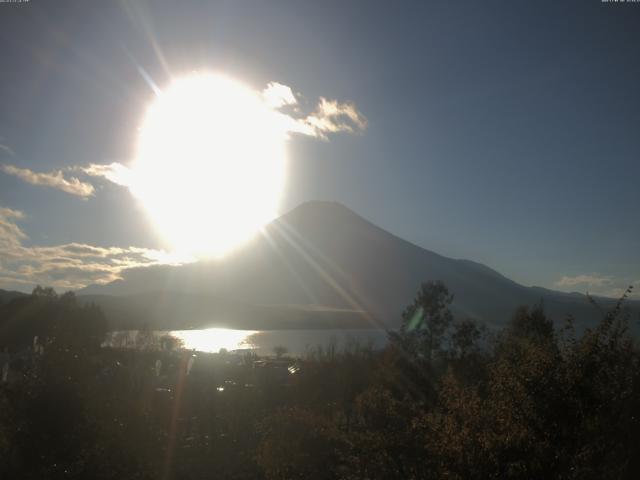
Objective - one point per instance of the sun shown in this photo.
(210, 164)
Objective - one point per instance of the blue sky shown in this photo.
(502, 132)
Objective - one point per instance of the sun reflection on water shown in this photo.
(214, 339)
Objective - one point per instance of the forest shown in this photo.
(445, 399)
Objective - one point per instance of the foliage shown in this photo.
(426, 320)
(56, 320)
(443, 400)
(279, 351)
(298, 444)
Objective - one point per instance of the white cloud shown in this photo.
(601, 285)
(67, 266)
(277, 95)
(114, 172)
(332, 116)
(53, 179)
(590, 280)
(328, 117)
(10, 213)
(621, 288)
(11, 235)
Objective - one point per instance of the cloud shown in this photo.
(277, 95)
(67, 266)
(114, 172)
(10, 213)
(620, 288)
(601, 285)
(11, 236)
(590, 280)
(53, 179)
(332, 116)
(7, 149)
(328, 117)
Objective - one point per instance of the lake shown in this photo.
(297, 342)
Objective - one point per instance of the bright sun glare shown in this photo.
(210, 164)
(214, 339)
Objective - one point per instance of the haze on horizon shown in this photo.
(500, 133)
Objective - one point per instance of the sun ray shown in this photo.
(301, 245)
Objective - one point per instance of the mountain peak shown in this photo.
(320, 212)
(315, 206)
(323, 253)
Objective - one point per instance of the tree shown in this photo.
(56, 320)
(145, 338)
(531, 323)
(280, 351)
(426, 320)
(169, 342)
(465, 337)
(44, 292)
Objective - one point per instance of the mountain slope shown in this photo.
(8, 295)
(325, 255)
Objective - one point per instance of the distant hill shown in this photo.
(314, 262)
(8, 295)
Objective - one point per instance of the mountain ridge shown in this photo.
(323, 253)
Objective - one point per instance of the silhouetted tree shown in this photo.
(426, 320)
(44, 292)
(531, 323)
(529, 403)
(465, 337)
(279, 351)
(169, 342)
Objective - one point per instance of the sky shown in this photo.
(501, 132)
